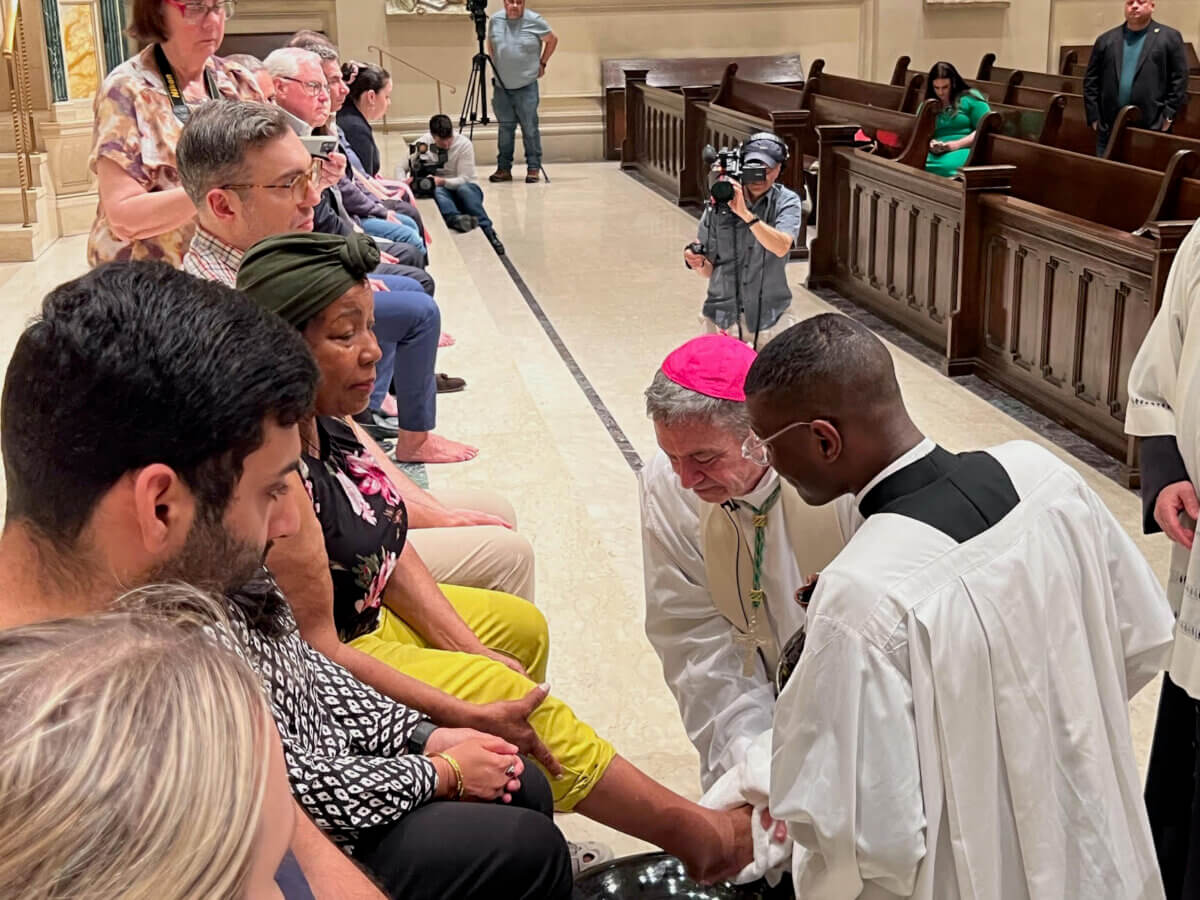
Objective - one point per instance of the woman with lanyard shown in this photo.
(139, 112)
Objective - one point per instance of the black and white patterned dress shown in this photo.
(343, 741)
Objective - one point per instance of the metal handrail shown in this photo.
(20, 92)
(382, 53)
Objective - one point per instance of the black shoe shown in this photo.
(447, 384)
(494, 240)
(377, 425)
(464, 224)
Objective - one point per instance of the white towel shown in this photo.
(750, 782)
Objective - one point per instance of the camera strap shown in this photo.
(178, 104)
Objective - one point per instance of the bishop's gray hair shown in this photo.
(668, 403)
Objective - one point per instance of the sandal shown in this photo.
(586, 854)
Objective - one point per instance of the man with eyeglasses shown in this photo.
(302, 90)
(250, 178)
(956, 720)
(728, 548)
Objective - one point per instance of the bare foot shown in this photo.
(388, 407)
(446, 340)
(721, 850)
(427, 447)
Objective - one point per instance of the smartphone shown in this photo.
(319, 145)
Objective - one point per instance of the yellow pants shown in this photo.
(518, 629)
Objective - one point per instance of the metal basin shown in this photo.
(657, 876)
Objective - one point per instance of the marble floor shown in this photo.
(599, 255)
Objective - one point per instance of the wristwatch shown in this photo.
(420, 737)
(753, 222)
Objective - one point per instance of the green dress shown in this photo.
(952, 124)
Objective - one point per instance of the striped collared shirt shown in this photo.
(212, 259)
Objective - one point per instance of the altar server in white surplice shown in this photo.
(956, 725)
(1164, 412)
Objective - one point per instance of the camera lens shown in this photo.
(722, 191)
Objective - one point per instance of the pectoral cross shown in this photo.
(749, 642)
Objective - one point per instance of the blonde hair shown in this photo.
(132, 760)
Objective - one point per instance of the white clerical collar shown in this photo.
(759, 495)
(920, 451)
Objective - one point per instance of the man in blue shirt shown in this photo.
(520, 44)
(1140, 63)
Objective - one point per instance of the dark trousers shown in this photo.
(466, 851)
(1102, 135)
(1172, 801)
(417, 274)
(466, 199)
(408, 325)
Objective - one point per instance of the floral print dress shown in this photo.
(364, 521)
(135, 127)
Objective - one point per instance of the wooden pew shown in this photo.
(1073, 58)
(1061, 276)
(906, 97)
(1058, 84)
(1073, 133)
(658, 125)
(995, 91)
(1187, 120)
(1038, 125)
(1043, 284)
(1145, 148)
(678, 73)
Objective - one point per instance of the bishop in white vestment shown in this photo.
(1164, 412)
(721, 593)
(957, 723)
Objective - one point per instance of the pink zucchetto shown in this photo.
(714, 365)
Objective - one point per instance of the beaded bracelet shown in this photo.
(458, 793)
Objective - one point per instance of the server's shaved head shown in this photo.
(826, 366)
(834, 381)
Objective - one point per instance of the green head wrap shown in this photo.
(298, 275)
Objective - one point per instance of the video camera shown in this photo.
(727, 165)
(478, 11)
(424, 162)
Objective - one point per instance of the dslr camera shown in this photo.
(727, 165)
(424, 162)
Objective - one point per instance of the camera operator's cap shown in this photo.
(714, 365)
(766, 152)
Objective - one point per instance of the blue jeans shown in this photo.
(466, 199)
(513, 107)
(402, 232)
(408, 324)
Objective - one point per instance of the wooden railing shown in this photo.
(16, 63)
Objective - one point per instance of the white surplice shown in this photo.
(1164, 399)
(958, 725)
(723, 709)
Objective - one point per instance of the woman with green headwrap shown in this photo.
(362, 596)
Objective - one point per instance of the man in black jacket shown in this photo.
(1140, 63)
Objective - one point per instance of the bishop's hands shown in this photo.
(1176, 511)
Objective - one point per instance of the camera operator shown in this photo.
(520, 44)
(743, 250)
(459, 199)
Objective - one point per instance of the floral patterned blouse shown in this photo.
(136, 127)
(364, 521)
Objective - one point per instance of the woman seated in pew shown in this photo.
(962, 110)
(362, 596)
(113, 787)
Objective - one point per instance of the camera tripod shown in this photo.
(475, 103)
